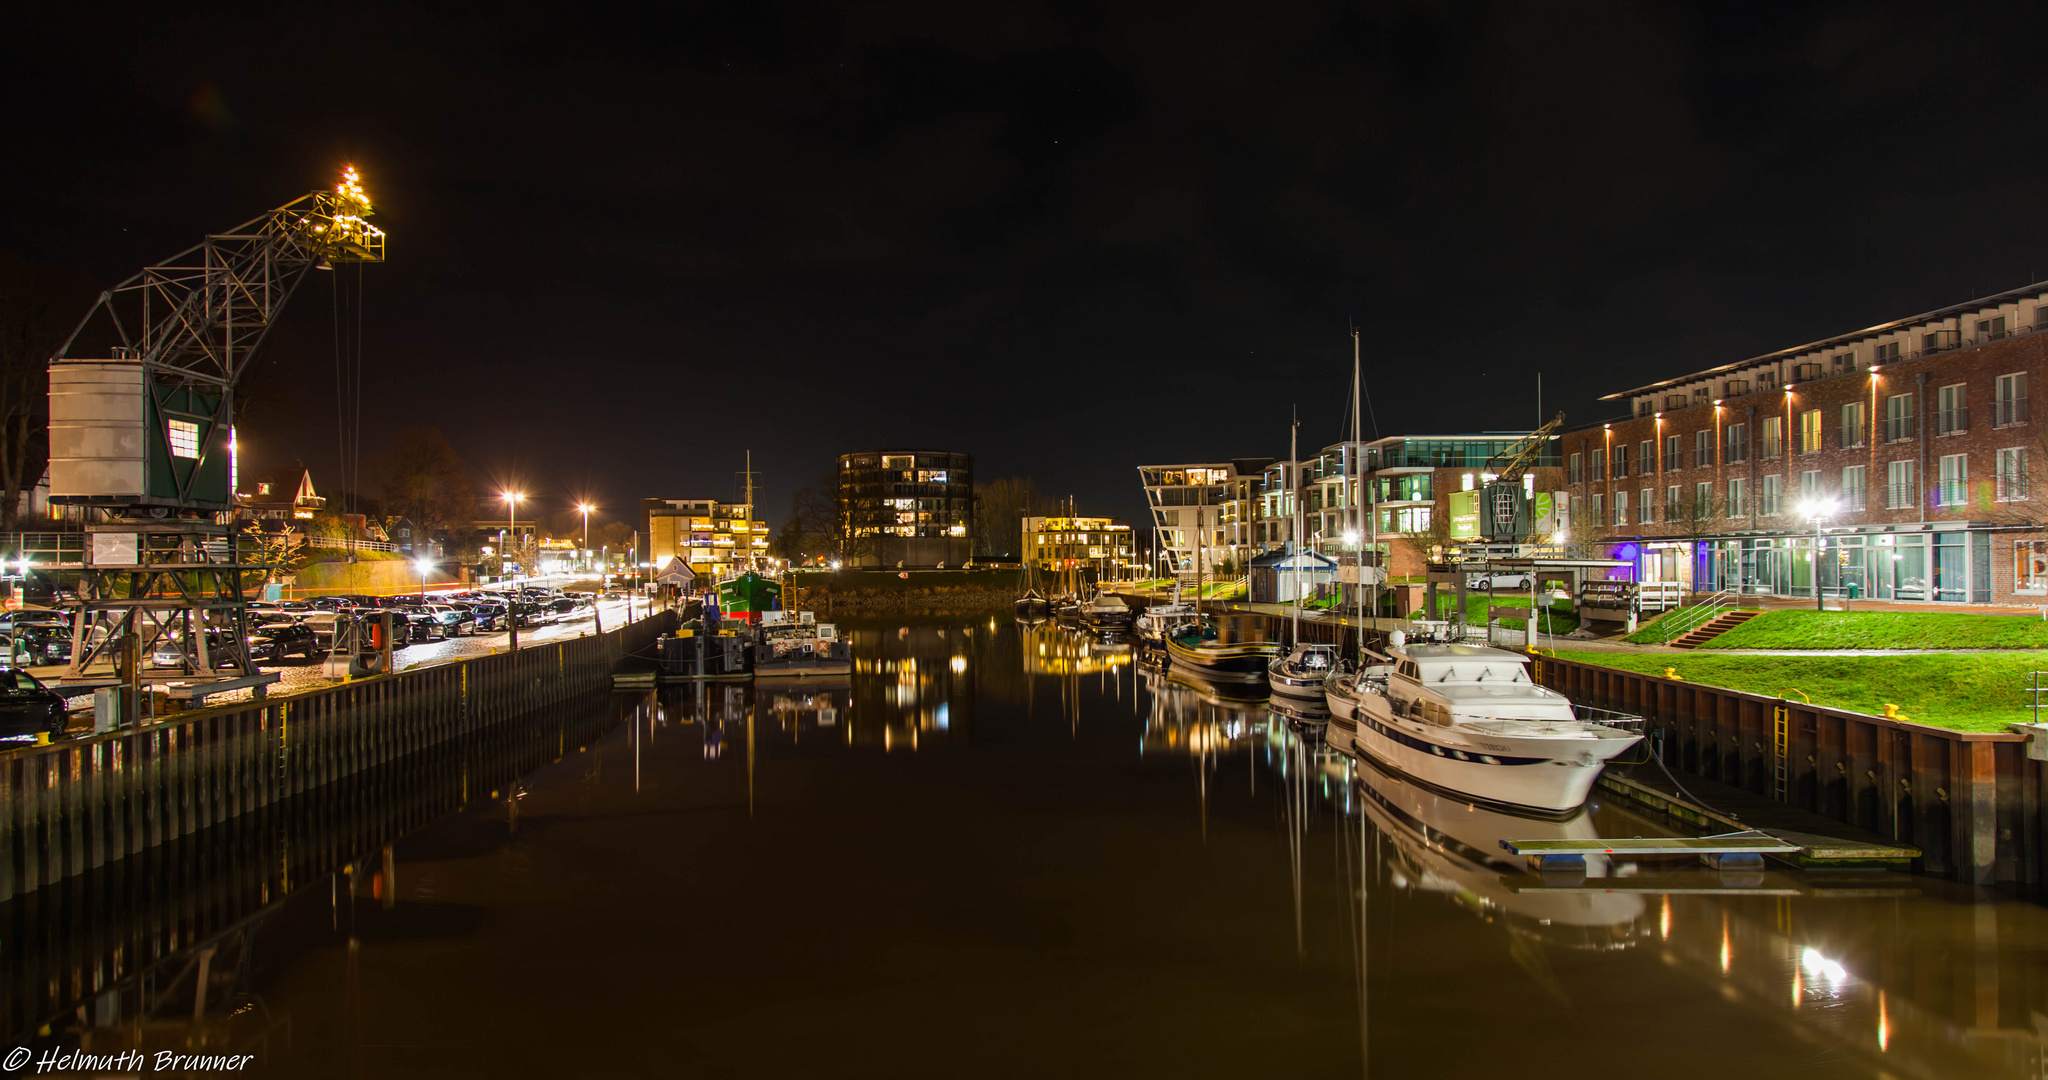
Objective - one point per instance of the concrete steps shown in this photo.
(1713, 628)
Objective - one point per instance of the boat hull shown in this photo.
(1299, 686)
(1243, 663)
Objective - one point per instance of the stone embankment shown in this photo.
(937, 600)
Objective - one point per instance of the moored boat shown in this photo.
(1105, 613)
(1470, 720)
(1195, 647)
(1301, 672)
(1033, 606)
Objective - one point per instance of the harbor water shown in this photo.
(1007, 851)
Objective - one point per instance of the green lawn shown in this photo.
(1796, 629)
(1558, 618)
(1965, 693)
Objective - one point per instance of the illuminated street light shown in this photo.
(1817, 511)
(586, 508)
(424, 566)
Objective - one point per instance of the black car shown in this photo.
(28, 708)
(34, 644)
(426, 626)
(273, 641)
(527, 616)
(488, 615)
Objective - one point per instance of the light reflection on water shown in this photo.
(997, 836)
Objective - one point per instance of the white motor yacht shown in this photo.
(1469, 719)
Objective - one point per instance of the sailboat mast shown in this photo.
(1358, 493)
(1294, 480)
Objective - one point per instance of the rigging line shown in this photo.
(340, 400)
(358, 465)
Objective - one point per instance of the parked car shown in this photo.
(35, 644)
(528, 615)
(273, 641)
(454, 620)
(28, 708)
(172, 650)
(489, 615)
(425, 626)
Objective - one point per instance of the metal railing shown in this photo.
(2009, 411)
(1901, 428)
(1852, 499)
(1951, 421)
(1685, 620)
(1848, 439)
(345, 544)
(1735, 454)
(1901, 496)
(1951, 492)
(2012, 488)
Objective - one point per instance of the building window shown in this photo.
(1646, 461)
(1735, 450)
(1809, 485)
(184, 439)
(1674, 458)
(1951, 409)
(1621, 462)
(1703, 501)
(1578, 470)
(1899, 422)
(1992, 329)
(1774, 437)
(2009, 406)
(1768, 496)
(1703, 449)
(1853, 425)
(1738, 497)
(1853, 479)
(2012, 474)
(1599, 511)
(1887, 353)
(1955, 480)
(1621, 508)
(1898, 485)
(1645, 510)
(1809, 431)
(1599, 465)
(1671, 503)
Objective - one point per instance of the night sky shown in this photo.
(627, 246)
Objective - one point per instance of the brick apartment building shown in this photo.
(1909, 443)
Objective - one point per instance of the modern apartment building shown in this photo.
(906, 508)
(1909, 443)
(1204, 514)
(715, 538)
(1101, 547)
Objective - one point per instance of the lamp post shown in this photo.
(586, 508)
(512, 514)
(423, 566)
(1817, 511)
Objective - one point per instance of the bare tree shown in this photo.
(1697, 516)
(422, 477)
(1433, 540)
(1000, 508)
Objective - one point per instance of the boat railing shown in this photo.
(1620, 721)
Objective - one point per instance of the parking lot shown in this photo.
(298, 675)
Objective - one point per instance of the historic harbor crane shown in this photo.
(142, 434)
(1506, 518)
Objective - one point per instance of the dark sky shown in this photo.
(627, 246)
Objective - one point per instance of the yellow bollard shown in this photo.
(1672, 673)
(42, 738)
(1891, 712)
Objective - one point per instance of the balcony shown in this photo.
(1847, 439)
(1901, 428)
(1901, 496)
(2012, 488)
(1951, 421)
(1951, 492)
(2009, 411)
(1852, 499)
(1768, 505)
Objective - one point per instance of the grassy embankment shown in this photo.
(1558, 617)
(1963, 692)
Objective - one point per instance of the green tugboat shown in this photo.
(745, 597)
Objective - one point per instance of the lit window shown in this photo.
(184, 439)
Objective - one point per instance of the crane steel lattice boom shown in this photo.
(206, 310)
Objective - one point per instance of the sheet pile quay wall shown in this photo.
(72, 807)
(1970, 801)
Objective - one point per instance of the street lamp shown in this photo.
(423, 566)
(586, 508)
(1817, 511)
(511, 518)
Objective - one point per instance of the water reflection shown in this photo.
(1171, 874)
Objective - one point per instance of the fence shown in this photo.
(75, 806)
(1970, 801)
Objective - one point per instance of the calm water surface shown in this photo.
(1008, 852)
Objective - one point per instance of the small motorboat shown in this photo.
(1195, 648)
(1105, 613)
(1301, 673)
